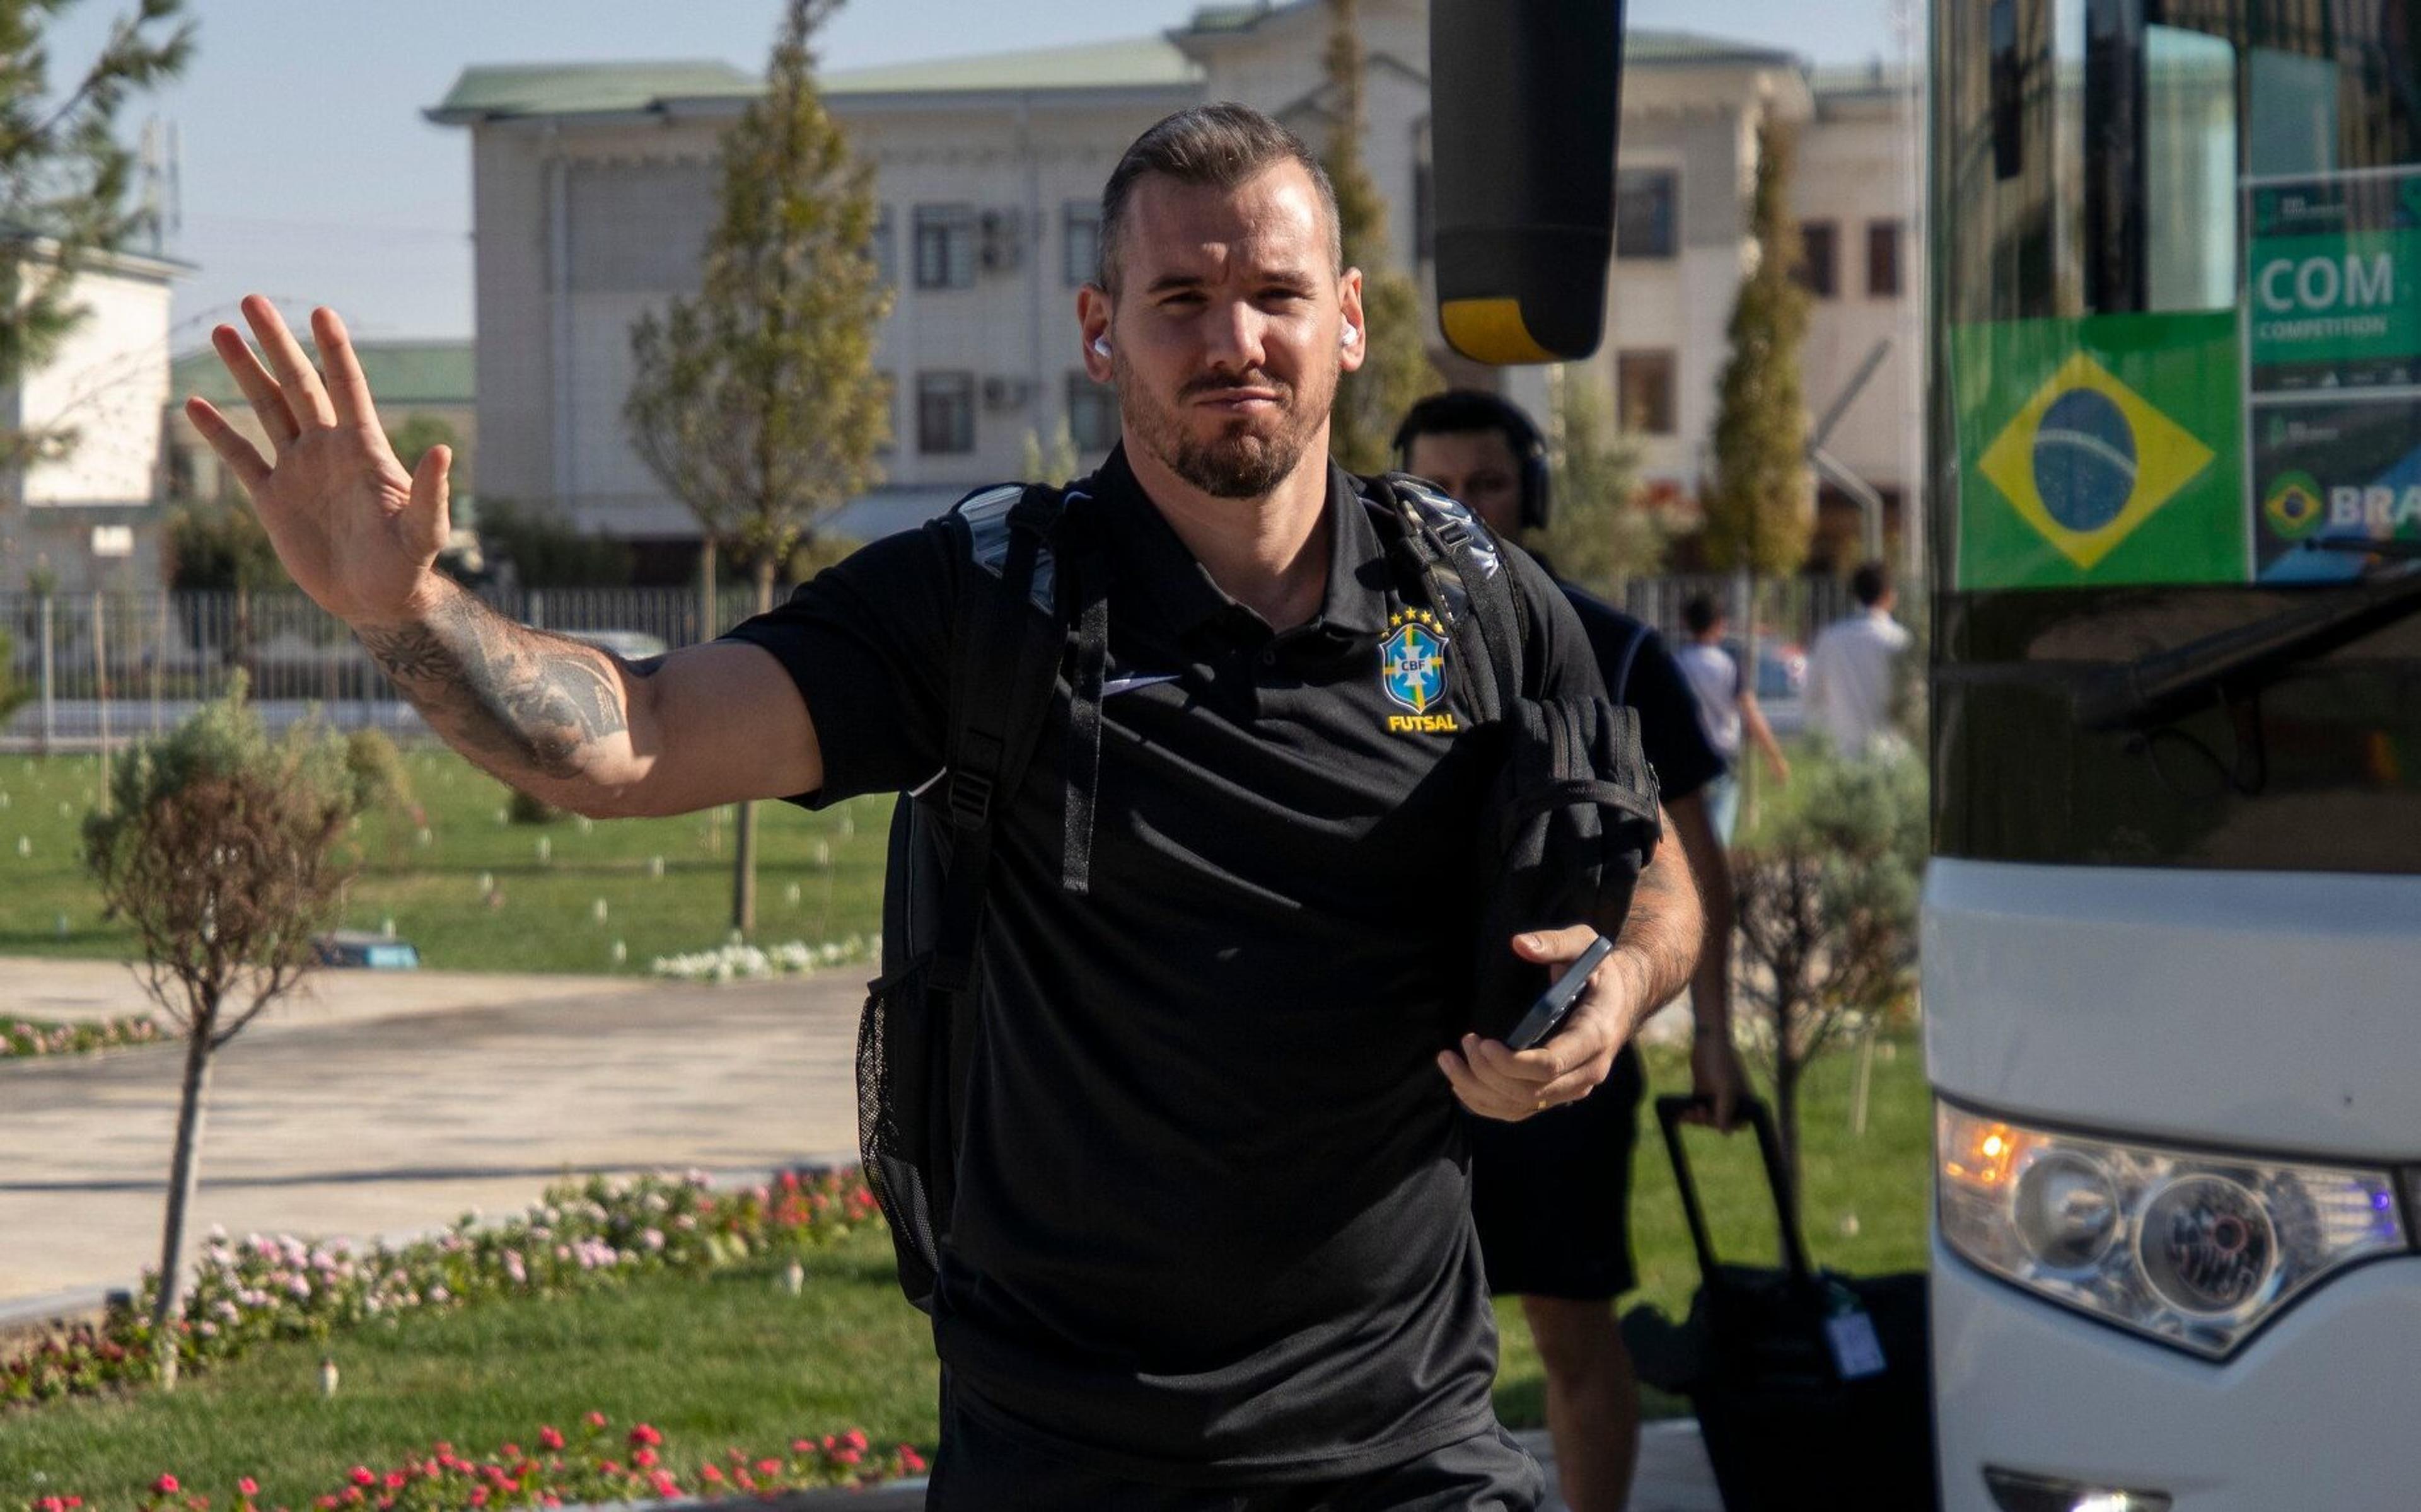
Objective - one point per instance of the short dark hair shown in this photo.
(1459, 412)
(1870, 582)
(1220, 145)
(1700, 613)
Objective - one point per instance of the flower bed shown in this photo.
(738, 962)
(25, 1038)
(601, 1466)
(579, 1236)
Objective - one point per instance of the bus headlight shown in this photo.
(2194, 1249)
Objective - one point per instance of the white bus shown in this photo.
(2172, 931)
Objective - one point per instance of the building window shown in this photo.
(1647, 213)
(1092, 413)
(888, 404)
(946, 246)
(1644, 384)
(946, 414)
(886, 248)
(1820, 257)
(1883, 258)
(1081, 238)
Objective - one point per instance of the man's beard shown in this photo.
(1240, 462)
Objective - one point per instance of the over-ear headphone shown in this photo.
(1102, 345)
(1461, 409)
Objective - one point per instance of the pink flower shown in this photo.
(248, 1487)
(550, 1438)
(596, 1420)
(165, 1485)
(644, 1433)
(364, 1476)
(909, 1460)
(665, 1485)
(769, 1467)
(856, 1438)
(644, 1458)
(395, 1480)
(708, 1473)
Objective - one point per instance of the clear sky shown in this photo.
(310, 173)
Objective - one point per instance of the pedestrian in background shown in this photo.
(1727, 706)
(1849, 668)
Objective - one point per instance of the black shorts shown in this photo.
(985, 1466)
(1552, 1194)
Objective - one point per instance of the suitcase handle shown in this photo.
(1754, 1111)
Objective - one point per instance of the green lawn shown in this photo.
(731, 1360)
(541, 915)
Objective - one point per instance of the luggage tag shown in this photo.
(1857, 1353)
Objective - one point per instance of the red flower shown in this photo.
(665, 1485)
(364, 1476)
(909, 1460)
(769, 1467)
(395, 1480)
(803, 1446)
(643, 1457)
(856, 1438)
(550, 1438)
(710, 1474)
(248, 1487)
(511, 1451)
(848, 1457)
(642, 1433)
(165, 1485)
(478, 1496)
(596, 1420)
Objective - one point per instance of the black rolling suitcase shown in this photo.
(1812, 1390)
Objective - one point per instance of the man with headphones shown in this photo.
(1551, 1194)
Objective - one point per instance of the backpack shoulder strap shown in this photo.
(1008, 639)
(1468, 584)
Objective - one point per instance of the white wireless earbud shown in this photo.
(1101, 345)
(1348, 336)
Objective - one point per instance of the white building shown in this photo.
(594, 185)
(84, 518)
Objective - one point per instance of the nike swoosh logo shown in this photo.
(1119, 685)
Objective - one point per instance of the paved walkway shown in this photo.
(383, 1105)
(391, 1104)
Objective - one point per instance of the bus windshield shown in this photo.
(2176, 408)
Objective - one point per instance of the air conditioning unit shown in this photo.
(1003, 241)
(1006, 392)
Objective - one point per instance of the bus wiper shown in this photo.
(2168, 685)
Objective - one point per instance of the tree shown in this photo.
(547, 551)
(757, 403)
(218, 847)
(64, 178)
(410, 440)
(1598, 536)
(1761, 510)
(1826, 906)
(1395, 368)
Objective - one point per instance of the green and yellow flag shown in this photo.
(2100, 451)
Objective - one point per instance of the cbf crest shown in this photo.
(1411, 671)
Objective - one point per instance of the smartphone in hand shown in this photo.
(1547, 1015)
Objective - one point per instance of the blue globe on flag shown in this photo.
(2084, 459)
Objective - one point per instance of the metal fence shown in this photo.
(104, 667)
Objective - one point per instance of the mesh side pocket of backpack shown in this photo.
(896, 1046)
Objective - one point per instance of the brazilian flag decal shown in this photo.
(2100, 451)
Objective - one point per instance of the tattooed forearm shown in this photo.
(537, 705)
(1661, 934)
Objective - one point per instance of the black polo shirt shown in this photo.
(1640, 672)
(1213, 1222)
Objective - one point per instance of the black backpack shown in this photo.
(1569, 823)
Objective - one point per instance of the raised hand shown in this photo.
(354, 530)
